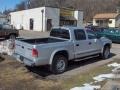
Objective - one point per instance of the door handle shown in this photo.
(77, 44)
(90, 43)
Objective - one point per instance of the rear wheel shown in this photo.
(106, 52)
(59, 64)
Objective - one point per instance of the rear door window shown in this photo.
(80, 34)
(91, 34)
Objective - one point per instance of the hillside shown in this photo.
(90, 7)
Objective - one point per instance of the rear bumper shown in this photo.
(24, 60)
(30, 62)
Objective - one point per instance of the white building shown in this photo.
(107, 20)
(43, 18)
(3, 19)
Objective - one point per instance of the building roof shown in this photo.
(106, 16)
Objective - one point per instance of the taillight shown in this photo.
(34, 53)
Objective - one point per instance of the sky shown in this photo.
(8, 4)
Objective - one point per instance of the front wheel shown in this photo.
(106, 52)
(59, 64)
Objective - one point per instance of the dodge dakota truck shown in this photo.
(64, 44)
(6, 31)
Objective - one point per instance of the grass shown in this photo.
(117, 60)
(16, 77)
(80, 79)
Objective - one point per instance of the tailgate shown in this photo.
(23, 49)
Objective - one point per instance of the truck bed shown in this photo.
(42, 40)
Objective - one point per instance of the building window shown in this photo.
(97, 21)
(110, 21)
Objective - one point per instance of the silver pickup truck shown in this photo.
(64, 44)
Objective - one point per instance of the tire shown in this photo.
(12, 37)
(59, 64)
(106, 52)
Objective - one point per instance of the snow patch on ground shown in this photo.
(7, 47)
(86, 87)
(103, 77)
(117, 69)
(114, 65)
(100, 78)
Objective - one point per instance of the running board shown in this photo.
(84, 58)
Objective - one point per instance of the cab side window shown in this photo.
(80, 34)
(91, 34)
(61, 33)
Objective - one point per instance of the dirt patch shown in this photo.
(1, 59)
(15, 76)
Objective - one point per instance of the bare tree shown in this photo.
(20, 6)
(90, 7)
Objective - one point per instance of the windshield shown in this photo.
(60, 33)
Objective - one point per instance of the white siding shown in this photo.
(79, 16)
(112, 24)
(115, 22)
(94, 22)
(118, 22)
(16, 19)
(54, 14)
(22, 19)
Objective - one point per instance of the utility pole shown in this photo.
(42, 11)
